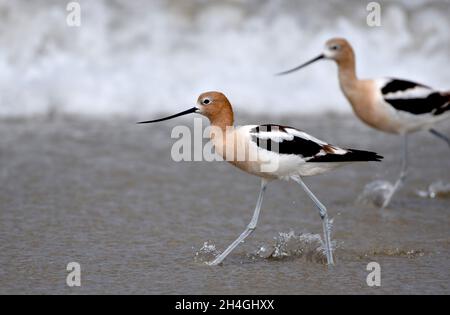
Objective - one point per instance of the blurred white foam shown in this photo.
(144, 57)
(438, 189)
(376, 193)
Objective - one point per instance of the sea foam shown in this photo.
(142, 57)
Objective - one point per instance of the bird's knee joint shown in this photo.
(323, 214)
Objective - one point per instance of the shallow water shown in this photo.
(106, 194)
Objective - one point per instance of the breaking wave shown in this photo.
(135, 57)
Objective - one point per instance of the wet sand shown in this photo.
(106, 194)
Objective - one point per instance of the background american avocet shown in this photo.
(294, 152)
(387, 104)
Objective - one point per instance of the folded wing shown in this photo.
(290, 141)
(414, 98)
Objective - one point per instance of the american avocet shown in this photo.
(295, 153)
(387, 104)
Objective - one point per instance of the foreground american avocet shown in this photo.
(294, 152)
(387, 104)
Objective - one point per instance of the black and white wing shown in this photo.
(414, 98)
(290, 141)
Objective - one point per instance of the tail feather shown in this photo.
(446, 95)
(358, 155)
(350, 156)
(446, 106)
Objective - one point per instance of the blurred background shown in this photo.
(142, 57)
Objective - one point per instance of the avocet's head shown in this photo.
(213, 104)
(337, 49)
(210, 104)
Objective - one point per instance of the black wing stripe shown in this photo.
(396, 85)
(298, 146)
(308, 149)
(350, 156)
(435, 103)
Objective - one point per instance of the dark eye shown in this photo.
(206, 101)
(335, 47)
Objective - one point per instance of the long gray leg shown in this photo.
(440, 136)
(249, 230)
(403, 173)
(323, 215)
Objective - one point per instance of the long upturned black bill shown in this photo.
(189, 111)
(302, 65)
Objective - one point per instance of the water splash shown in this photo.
(285, 245)
(376, 193)
(437, 189)
(206, 253)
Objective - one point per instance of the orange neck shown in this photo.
(223, 118)
(347, 71)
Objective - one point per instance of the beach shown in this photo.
(104, 192)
